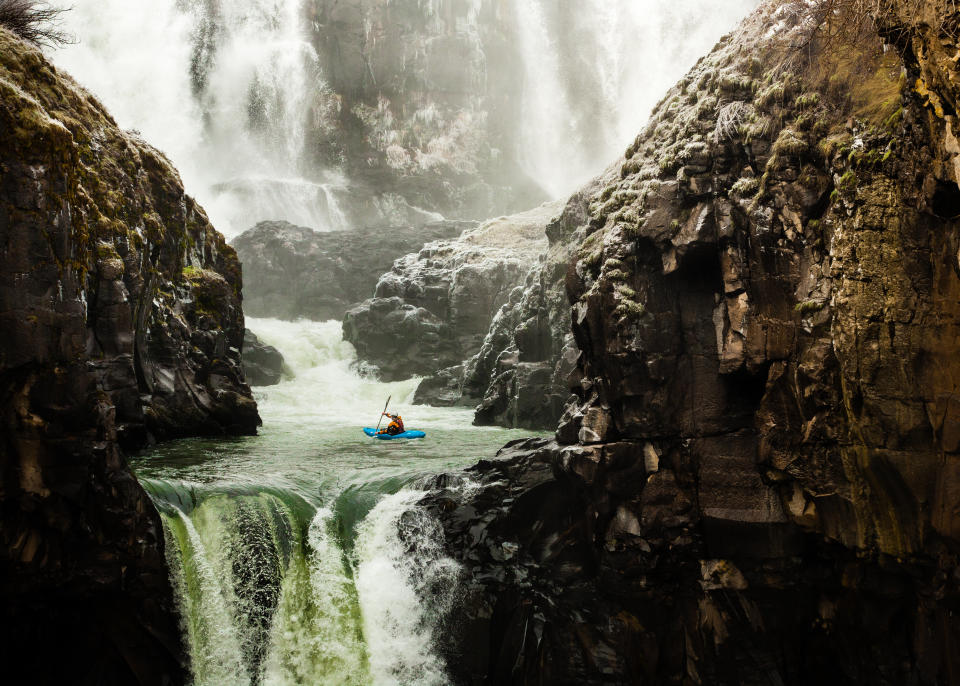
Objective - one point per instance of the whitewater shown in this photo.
(288, 551)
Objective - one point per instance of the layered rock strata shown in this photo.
(758, 481)
(121, 314)
(293, 272)
(433, 309)
(522, 372)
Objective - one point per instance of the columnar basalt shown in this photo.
(122, 323)
(758, 481)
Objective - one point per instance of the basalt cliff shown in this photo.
(759, 481)
(120, 308)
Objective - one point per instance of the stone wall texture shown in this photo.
(759, 480)
(121, 324)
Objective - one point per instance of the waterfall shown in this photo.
(229, 90)
(594, 69)
(402, 596)
(289, 552)
(271, 593)
(234, 92)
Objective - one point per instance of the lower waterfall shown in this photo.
(288, 552)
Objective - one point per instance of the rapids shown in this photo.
(286, 550)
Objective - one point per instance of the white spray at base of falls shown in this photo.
(285, 579)
(262, 604)
(325, 386)
(227, 90)
(402, 597)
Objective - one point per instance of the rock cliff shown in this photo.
(421, 101)
(120, 309)
(758, 482)
(433, 309)
(291, 271)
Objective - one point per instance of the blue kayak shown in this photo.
(387, 437)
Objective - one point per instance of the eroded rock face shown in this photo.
(121, 319)
(522, 371)
(758, 481)
(433, 309)
(292, 271)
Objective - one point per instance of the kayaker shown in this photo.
(395, 426)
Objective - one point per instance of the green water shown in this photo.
(285, 549)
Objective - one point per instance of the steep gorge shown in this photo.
(758, 481)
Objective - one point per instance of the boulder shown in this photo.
(263, 364)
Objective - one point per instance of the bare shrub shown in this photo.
(35, 21)
(846, 19)
(730, 117)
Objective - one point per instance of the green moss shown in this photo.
(630, 308)
(789, 143)
(808, 307)
(848, 182)
(807, 100)
(745, 186)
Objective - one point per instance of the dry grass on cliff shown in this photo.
(34, 21)
(846, 19)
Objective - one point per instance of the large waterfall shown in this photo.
(288, 552)
(594, 70)
(226, 89)
(233, 91)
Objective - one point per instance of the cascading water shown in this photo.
(595, 68)
(233, 91)
(227, 89)
(288, 552)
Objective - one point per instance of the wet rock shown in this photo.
(752, 485)
(293, 272)
(432, 310)
(263, 364)
(121, 315)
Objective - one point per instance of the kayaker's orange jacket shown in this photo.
(395, 426)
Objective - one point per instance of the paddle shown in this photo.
(384, 410)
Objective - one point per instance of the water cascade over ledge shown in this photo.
(289, 552)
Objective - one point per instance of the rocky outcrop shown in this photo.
(120, 308)
(758, 481)
(293, 272)
(263, 364)
(432, 311)
(522, 371)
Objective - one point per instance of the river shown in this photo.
(285, 549)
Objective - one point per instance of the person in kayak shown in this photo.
(395, 426)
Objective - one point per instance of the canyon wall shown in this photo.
(120, 308)
(758, 481)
